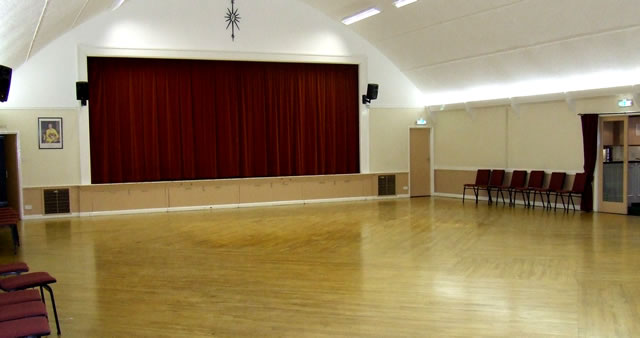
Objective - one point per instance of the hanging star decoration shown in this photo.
(232, 18)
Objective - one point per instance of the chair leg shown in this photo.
(53, 304)
(15, 234)
(476, 192)
(571, 198)
(501, 195)
(464, 191)
(16, 239)
(555, 204)
(42, 296)
(534, 200)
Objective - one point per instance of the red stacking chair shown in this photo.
(555, 184)
(497, 176)
(576, 190)
(32, 280)
(518, 180)
(25, 327)
(536, 179)
(9, 218)
(482, 180)
(13, 268)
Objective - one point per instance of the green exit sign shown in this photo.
(625, 103)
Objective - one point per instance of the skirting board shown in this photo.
(482, 198)
(213, 207)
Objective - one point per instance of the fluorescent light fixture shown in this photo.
(117, 4)
(360, 16)
(400, 3)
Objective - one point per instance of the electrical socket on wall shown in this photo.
(28, 207)
(405, 188)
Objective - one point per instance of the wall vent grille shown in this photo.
(386, 185)
(56, 201)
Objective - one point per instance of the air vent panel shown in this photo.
(386, 185)
(56, 201)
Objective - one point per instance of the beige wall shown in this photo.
(45, 167)
(544, 136)
(389, 137)
(471, 140)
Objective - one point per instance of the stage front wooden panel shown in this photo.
(203, 193)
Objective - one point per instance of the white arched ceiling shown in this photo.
(467, 50)
(26, 26)
(452, 50)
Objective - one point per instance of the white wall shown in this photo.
(269, 30)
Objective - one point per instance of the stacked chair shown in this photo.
(490, 180)
(576, 190)
(23, 311)
(482, 182)
(9, 219)
(518, 181)
(555, 185)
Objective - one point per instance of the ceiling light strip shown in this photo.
(360, 16)
(35, 34)
(400, 3)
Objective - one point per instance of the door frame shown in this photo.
(613, 207)
(431, 158)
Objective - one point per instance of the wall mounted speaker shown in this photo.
(5, 83)
(82, 92)
(372, 93)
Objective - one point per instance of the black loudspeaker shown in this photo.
(5, 83)
(372, 93)
(82, 92)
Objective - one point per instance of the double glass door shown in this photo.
(614, 164)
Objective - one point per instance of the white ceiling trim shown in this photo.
(35, 33)
(79, 13)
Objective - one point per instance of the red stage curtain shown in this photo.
(156, 119)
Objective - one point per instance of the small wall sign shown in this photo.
(625, 103)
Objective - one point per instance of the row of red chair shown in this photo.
(22, 308)
(492, 180)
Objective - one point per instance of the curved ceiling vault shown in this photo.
(469, 50)
(451, 49)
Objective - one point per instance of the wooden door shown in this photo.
(613, 164)
(419, 162)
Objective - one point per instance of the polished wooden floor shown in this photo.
(407, 267)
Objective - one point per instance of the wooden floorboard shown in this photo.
(407, 267)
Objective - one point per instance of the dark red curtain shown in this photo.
(590, 148)
(156, 119)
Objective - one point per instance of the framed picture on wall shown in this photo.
(50, 132)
